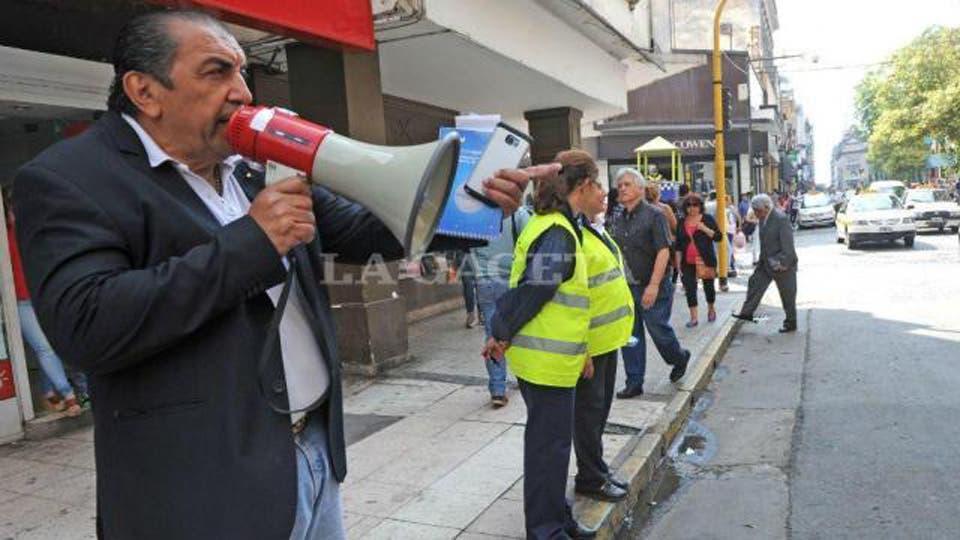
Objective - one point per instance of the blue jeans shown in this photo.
(657, 321)
(54, 377)
(319, 510)
(488, 291)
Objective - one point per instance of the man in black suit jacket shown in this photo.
(778, 263)
(140, 279)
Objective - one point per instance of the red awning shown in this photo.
(339, 23)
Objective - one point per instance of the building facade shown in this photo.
(849, 161)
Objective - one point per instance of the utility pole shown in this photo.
(719, 164)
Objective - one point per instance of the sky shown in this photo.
(845, 33)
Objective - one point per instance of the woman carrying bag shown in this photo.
(696, 256)
(540, 325)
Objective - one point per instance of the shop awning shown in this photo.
(657, 146)
(341, 23)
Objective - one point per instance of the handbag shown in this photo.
(705, 272)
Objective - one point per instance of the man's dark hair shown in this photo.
(144, 44)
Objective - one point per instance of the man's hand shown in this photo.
(649, 296)
(494, 350)
(507, 185)
(284, 210)
(587, 372)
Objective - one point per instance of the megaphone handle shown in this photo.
(277, 171)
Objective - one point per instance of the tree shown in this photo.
(913, 103)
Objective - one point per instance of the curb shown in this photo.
(606, 518)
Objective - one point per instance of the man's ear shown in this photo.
(143, 91)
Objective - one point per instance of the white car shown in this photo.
(933, 209)
(816, 209)
(889, 186)
(875, 217)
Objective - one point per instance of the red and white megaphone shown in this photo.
(406, 187)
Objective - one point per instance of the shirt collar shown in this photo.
(156, 156)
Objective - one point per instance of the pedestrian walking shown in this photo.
(697, 258)
(541, 326)
(158, 261)
(493, 263)
(641, 232)
(778, 262)
(611, 325)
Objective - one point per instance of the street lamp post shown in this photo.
(719, 165)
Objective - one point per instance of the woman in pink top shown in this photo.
(696, 235)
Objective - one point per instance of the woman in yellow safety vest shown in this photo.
(541, 326)
(611, 325)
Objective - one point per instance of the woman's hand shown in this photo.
(494, 350)
(587, 368)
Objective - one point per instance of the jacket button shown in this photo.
(279, 386)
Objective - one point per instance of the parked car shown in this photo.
(933, 209)
(875, 217)
(816, 209)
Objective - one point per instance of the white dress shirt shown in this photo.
(304, 366)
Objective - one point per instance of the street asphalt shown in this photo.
(847, 429)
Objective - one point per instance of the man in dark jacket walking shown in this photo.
(156, 259)
(778, 262)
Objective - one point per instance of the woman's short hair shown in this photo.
(692, 199)
(551, 192)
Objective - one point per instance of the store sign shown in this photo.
(343, 23)
(695, 144)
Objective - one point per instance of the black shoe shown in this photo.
(579, 531)
(607, 492)
(630, 392)
(618, 482)
(679, 370)
(787, 328)
(743, 317)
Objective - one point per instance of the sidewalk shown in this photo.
(428, 458)
(447, 465)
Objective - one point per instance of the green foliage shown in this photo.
(913, 102)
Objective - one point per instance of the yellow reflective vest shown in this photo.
(611, 304)
(551, 348)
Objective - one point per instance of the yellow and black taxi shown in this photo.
(875, 217)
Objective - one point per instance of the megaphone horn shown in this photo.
(406, 187)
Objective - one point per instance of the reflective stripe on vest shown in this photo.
(550, 349)
(611, 304)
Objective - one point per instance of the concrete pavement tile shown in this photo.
(391, 529)
(741, 508)
(472, 431)
(458, 404)
(397, 397)
(371, 498)
(83, 458)
(417, 426)
(515, 493)
(56, 451)
(76, 524)
(79, 490)
(84, 434)
(35, 479)
(423, 465)
(358, 525)
(635, 413)
(515, 412)
(480, 536)
(751, 436)
(474, 476)
(14, 466)
(26, 513)
(376, 452)
(444, 508)
(504, 519)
